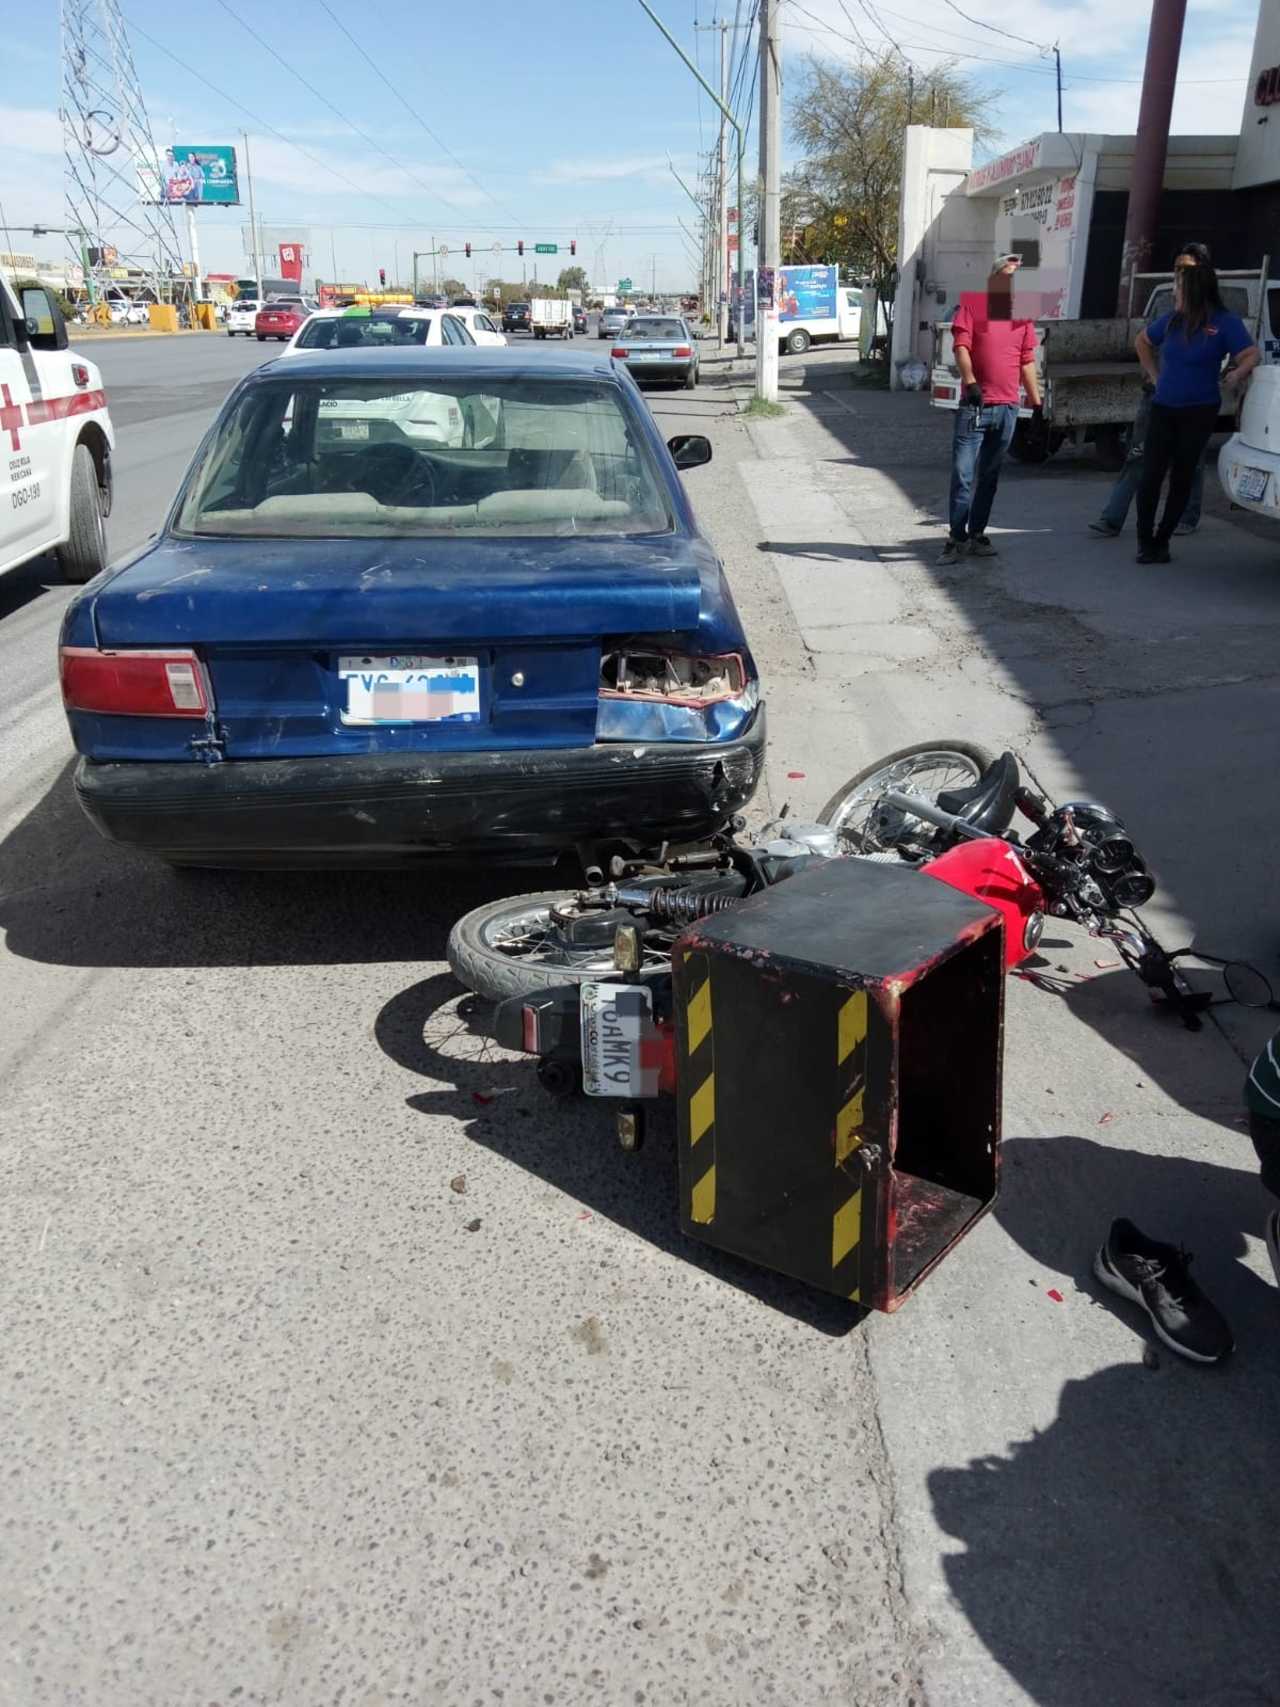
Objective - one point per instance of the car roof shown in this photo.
(386, 311)
(418, 362)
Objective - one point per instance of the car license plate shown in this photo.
(353, 429)
(1252, 483)
(619, 1041)
(410, 689)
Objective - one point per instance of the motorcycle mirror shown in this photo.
(1246, 985)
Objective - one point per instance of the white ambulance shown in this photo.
(55, 440)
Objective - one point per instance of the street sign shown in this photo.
(546, 248)
(497, 248)
(624, 284)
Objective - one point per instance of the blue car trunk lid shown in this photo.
(276, 620)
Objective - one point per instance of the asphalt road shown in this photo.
(341, 1366)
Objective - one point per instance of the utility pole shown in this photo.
(722, 210)
(253, 216)
(769, 248)
(1146, 180)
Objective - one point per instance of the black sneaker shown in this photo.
(1104, 528)
(1155, 1276)
(952, 551)
(981, 546)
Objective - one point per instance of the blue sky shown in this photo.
(545, 138)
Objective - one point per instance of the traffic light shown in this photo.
(382, 277)
(467, 250)
(573, 248)
(520, 247)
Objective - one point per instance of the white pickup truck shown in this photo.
(55, 440)
(551, 317)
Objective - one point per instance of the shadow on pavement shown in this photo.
(69, 898)
(1126, 1555)
(569, 1142)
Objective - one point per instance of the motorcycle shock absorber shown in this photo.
(681, 906)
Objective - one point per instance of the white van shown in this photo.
(55, 440)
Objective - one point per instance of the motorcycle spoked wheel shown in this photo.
(927, 767)
(512, 948)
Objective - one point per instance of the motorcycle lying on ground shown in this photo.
(550, 962)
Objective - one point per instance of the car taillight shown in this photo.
(618, 350)
(133, 684)
(674, 678)
(682, 350)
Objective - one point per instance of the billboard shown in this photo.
(808, 293)
(290, 261)
(202, 176)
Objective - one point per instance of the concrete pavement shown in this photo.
(298, 1422)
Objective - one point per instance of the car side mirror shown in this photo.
(689, 450)
(44, 326)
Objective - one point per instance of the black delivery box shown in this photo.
(840, 1040)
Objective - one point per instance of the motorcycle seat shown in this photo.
(989, 803)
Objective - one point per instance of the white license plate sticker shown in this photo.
(1252, 484)
(619, 1041)
(410, 689)
(353, 429)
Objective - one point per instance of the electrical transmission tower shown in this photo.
(112, 168)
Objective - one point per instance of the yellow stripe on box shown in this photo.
(849, 1128)
(699, 1014)
(702, 1108)
(845, 1229)
(852, 1025)
(702, 1204)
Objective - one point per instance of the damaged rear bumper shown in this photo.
(398, 809)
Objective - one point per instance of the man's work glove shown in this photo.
(973, 396)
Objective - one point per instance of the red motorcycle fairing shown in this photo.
(992, 871)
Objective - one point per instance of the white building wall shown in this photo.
(944, 239)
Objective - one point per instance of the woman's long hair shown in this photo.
(1200, 294)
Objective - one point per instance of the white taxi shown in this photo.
(481, 325)
(242, 316)
(55, 440)
(387, 328)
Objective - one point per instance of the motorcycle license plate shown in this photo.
(619, 1041)
(1253, 483)
(400, 689)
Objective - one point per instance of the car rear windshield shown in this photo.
(656, 329)
(364, 331)
(360, 458)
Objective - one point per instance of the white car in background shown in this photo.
(481, 325)
(243, 316)
(389, 328)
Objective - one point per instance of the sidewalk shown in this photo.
(1074, 1525)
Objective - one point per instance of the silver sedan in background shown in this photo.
(658, 347)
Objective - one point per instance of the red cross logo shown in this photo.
(10, 418)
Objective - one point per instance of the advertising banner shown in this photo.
(202, 176)
(291, 261)
(808, 293)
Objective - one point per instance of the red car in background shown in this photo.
(281, 318)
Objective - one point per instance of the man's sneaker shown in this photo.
(1184, 528)
(1155, 1276)
(981, 546)
(952, 551)
(1104, 528)
(1273, 1241)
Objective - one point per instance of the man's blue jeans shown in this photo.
(977, 451)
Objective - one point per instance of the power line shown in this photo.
(994, 28)
(325, 101)
(412, 111)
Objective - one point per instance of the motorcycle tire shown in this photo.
(968, 757)
(477, 962)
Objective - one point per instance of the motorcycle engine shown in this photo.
(786, 838)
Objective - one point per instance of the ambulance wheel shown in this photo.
(516, 947)
(85, 552)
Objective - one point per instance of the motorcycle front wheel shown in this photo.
(867, 827)
(514, 947)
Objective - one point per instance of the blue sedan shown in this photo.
(418, 603)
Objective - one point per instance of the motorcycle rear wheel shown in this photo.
(927, 766)
(510, 948)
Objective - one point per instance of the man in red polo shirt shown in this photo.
(996, 355)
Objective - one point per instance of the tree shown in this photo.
(841, 202)
(454, 287)
(574, 278)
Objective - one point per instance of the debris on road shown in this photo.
(458, 1183)
(474, 1226)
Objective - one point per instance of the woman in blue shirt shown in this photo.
(1193, 342)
